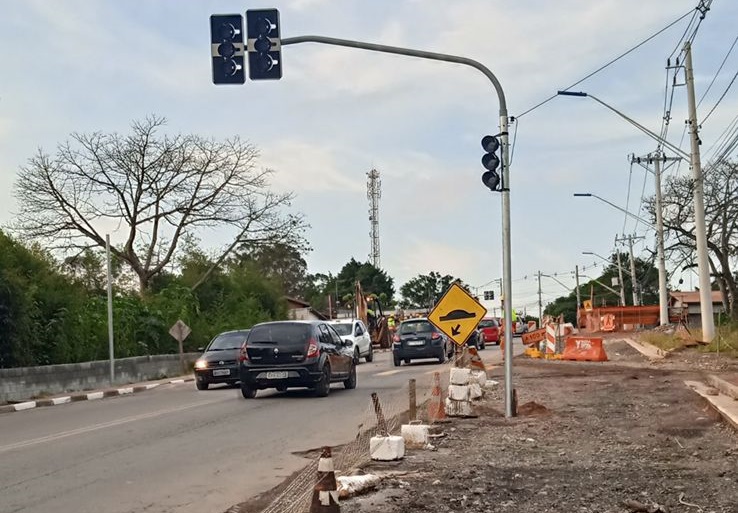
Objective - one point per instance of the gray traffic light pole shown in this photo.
(504, 140)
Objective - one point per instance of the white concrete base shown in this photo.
(475, 391)
(387, 448)
(415, 435)
(348, 486)
(478, 376)
(491, 383)
(460, 376)
(458, 392)
(459, 408)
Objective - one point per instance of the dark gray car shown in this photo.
(219, 361)
(418, 339)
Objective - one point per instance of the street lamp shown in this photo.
(708, 323)
(613, 205)
(620, 274)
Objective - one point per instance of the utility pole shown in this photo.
(540, 302)
(634, 281)
(708, 323)
(111, 343)
(620, 277)
(579, 299)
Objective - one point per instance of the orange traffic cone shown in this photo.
(436, 408)
(476, 362)
(325, 493)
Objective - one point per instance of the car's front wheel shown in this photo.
(248, 392)
(323, 387)
(356, 356)
(350, 383)
(396, 360)
(202, 385)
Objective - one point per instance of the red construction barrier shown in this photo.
(584, 349)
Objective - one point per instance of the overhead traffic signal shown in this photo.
(227, 48)
(264, 45)
(490, 161)
(489, 295)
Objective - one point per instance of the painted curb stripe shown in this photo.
(95, 395)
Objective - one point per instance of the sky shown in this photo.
(82, 66)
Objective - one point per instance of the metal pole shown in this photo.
(111, 345)
(579, 297)
(663, 294)
(708, 323)
(540, 302)
(504, 142)
(413, 410)
(633, 281)
(620, 277)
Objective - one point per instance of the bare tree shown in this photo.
(161, 188)
(721, 217)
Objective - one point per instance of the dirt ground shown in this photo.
(589, 436)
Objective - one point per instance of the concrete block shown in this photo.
(479, 376)
(475, 391)
(458, 392)
(459, 408)
(460, 376)
(387, 448)
(349, 486)
(415, 435)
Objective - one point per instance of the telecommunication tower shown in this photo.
(373, 193)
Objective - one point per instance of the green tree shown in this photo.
(373, 280)
(425, 290)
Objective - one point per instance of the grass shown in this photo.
(725, 341)
(662, 340)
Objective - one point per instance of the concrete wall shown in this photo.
(24, 383)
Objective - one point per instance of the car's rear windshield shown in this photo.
(343, 328)
(487, 323)
(416, 327)
(280, 333)
(228, 341)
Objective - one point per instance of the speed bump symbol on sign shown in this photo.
(457, 314)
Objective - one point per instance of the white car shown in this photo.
(355, 332)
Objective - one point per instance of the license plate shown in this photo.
(415, 342)
(222, 372)
(276, 375)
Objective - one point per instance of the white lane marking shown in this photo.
(124, 391)
(61, 400)
(387, 373)
(97, 427)
(94, 395)
(24, 406)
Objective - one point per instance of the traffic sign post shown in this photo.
(180, 331)
(457, 314)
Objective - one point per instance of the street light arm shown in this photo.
(599, 282)
(613, 205)
(642, 128)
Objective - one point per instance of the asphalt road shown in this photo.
(174, 449)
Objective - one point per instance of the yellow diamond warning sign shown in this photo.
(457, 314)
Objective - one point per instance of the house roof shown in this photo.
(299, 302)
(693, 296)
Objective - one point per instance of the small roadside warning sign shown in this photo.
(180, 331)
(457, 314)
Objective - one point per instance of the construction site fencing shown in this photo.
(296, 497)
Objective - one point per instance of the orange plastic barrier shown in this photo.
(533, 337)
(584, 349)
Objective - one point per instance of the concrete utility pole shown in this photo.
(634, 281)
(540, 302)
(703, 268)
(620, 277)
(579, 298)
(111, 344)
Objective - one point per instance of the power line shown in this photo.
(730, 50)
(613, 61)
(732, 81)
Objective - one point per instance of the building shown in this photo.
(686, 306)
(299, 310)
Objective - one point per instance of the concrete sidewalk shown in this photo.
(91, 395)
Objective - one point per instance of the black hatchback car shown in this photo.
(219, 361)
(287, 354)
(418, 338)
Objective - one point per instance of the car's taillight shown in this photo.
(243, 355)
(313, 348)
(396, 339)
(436, 335)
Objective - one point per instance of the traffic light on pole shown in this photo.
(491, 161)
(489, 295)
(264, 45)
(227, 48)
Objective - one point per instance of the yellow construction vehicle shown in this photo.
(369, 310)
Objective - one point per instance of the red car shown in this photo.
(489, 332)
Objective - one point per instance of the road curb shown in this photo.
(725, 405)
(650, 351)
(90, 396)
(723, 386)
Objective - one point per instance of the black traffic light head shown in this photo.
(491, 162)
(227, 48)
(264, 44)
